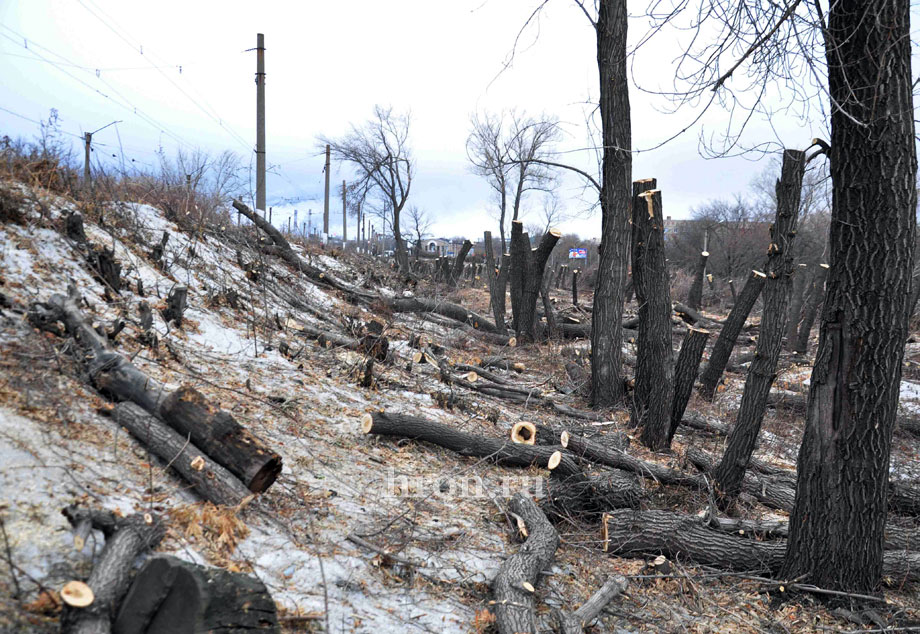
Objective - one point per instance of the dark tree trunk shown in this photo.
(126, 538)
(722, 350)
(844, 459)
(779, 269)
(812, 306)
(171, 596)
(218, 434)
(447, 309)
(514, 603)
(685, 371)
(575, 291)
(209, 480)
(607, 385)
(458, 263)
(176, 303)
(548, 311)
(534, 265)
(695, 296)
(651, 407)
(520, 249)
(800, 281)
(498, 282)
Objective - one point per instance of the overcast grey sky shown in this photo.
(179, 73)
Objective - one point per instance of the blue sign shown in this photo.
(578, 254)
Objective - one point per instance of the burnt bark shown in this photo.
(722, 350)
(218, 434)
(209, 480)
(685, 371)
(607, 384)
(171, 596)
(514, 601)
(779, 269)
(651, 407)
(844, 459)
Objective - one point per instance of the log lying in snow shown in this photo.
(126, 538)
(445, 309)
(225, 440)
(171, 596)
(213, 431)
(209, 480)
(570, 490)
(630, 533)
(515, 584)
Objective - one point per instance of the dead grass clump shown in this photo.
(11, 206)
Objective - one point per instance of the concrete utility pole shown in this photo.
(260, 122)
(326, 199)
(87, 177)
(344, 218)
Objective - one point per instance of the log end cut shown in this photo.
(524, 433)
(77, 594)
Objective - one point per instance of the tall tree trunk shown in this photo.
(695, 296)
(800, 281)
(844, 459)
(607, 385)
(534, 265)
(520, 248)
(729, 474)
(402, 253)
(810, 313)
(722, 350)
(498, 281)
(685, 371)
(654, 355)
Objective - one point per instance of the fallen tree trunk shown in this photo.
(126, 538)
(630, 533)
(171, 596)
(216, 432)
(209, 480)
(575, 622)
(445, 309)
(515, 584)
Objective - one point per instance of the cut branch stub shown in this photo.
(77, 594)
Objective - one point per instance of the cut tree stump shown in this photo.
(126, 538)
(176, 304)
(685, 371)
(515, 584)
(171, 596)
(218, 434)
(209, 480)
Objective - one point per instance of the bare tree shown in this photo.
(379, 153)
(420, 224)
(508, 151)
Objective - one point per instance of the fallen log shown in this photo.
(209, 480)
(126, 538)
(445, 309)
(515, 584)
(217, 433)
(631, 533)
(171, 596)
(575, 622)
(214, 431)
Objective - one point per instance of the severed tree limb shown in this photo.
(126, 538)
(575, 622)
(515, 584)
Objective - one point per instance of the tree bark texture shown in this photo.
(685, 371)
(217, 433)
(695, 296)
(519, 248)
(209, 480)
(531, 283)
(810, 312)
(607, 385)
(457, 269)
(171, 596)
(126, 538)
(651, 408)
(498, 282)
(518, 576)
(779, 269)
(844, 459)
(722, 350)
(800, 283)
(575, 289)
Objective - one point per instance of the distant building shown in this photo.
(442, 247)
